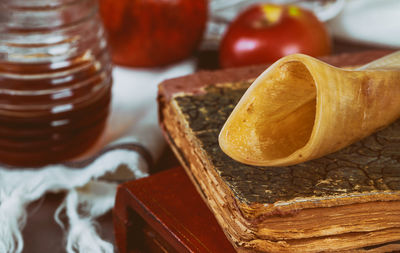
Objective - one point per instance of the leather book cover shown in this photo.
(347, 201)
(164, 213)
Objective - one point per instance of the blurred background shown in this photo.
(173, 30)
(359, 21)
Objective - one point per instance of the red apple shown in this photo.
(264, 33)
(148, 33)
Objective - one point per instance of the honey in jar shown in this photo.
(55, 80)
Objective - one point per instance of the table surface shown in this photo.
(43, 235)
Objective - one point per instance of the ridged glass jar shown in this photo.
(55, 80)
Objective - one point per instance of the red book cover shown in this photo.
(164, 213)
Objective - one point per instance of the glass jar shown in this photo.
(55, 80)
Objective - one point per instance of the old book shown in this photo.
(346, 201)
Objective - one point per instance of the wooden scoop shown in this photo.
(301, 108)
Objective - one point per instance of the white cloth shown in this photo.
(133, 121)
(369, 21)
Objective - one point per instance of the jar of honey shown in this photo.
(55, 80)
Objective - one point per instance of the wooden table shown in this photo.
(43, 235)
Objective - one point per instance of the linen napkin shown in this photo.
(129, 145)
